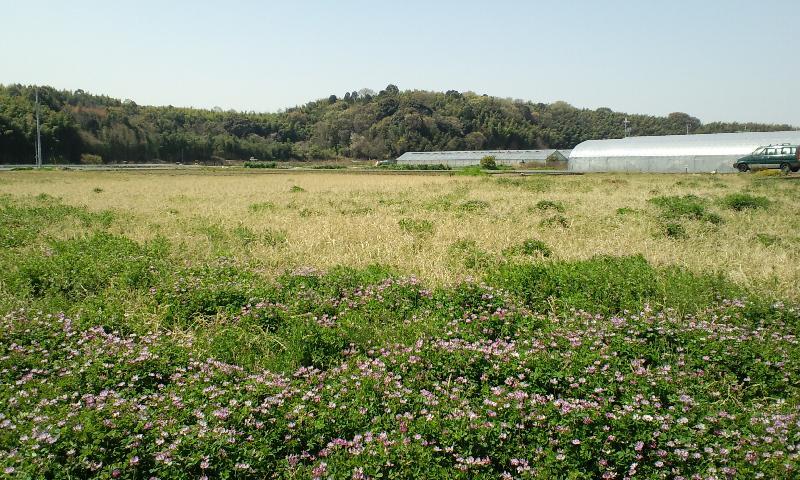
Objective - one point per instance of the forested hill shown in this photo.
(362, 124)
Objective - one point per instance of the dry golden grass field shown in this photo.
(428, 225)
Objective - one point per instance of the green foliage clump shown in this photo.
(745, 201)
(674, 230)
(489, 162)
(328, 167)
(601, 284)
(244, 234)
(531, 247)
(469, 254)
(606, 284)
(196, 294)
(416, 227)
(473, 206)
(254, 164)
(768, 173)
(261, 207)
(297, 189)
(309, 212)
(554, 205)
(273, 237)
(555, 221)
(686, 206)
(768, 240)
(473, 171)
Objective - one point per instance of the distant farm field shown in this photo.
(229, 324)
(419, 224)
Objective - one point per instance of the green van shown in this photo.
(783, 156)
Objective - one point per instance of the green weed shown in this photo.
(544, 205)
(744, 201)
(261, 207)
(687, 206)
(416, 227)
(473, 206)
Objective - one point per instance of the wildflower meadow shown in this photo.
(125, 358)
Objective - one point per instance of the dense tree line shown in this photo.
(358, 124)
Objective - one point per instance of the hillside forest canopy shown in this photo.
(362, 124)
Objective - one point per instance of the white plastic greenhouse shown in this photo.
(467, 158)
(673, 154)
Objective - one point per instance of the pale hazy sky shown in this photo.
(717, 60)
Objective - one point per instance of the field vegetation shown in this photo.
(235, 324)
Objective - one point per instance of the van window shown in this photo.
(758, 151)
(786, 151)
(770, 151)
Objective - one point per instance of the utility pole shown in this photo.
(38, 134)
(687, 129)
(625, 126)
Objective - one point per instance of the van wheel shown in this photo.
(786, 168)
(743, 167)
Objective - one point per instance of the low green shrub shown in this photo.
(674, 230)
(745, 201)
(686, 206)
(470, 254)
(489, 162)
